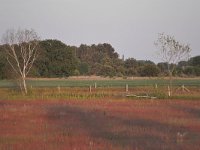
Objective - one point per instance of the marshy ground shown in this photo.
(99, 124)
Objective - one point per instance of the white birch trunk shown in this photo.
(21, 48)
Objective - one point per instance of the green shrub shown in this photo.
(159, 94)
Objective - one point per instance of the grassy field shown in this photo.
(102, 83)
(105, 124)
(74, 88)
(65, 114)
(85, 93)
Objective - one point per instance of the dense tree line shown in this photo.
(56, 59)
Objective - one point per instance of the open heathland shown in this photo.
(99, 124)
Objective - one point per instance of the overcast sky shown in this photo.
(130, 26)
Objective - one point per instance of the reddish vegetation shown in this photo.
(102, 124)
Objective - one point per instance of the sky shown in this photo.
(130, 26)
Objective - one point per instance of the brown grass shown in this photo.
(99, 124)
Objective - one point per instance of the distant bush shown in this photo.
(149, 71)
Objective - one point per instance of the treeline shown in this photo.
(56, 59)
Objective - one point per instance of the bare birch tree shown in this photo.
(171, 52)
(21, 48)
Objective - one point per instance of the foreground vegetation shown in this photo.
(82, 93)
(100, 114)
(101, 124)
(96, 88)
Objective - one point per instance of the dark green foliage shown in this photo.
(195, 61)
(182, 64)
(6, 71)
(55, 59)
(149, 70)
(138, 67)
(163, 66)
(99, 59)
(2, 65)
(130, 63)
(192, 71)
(96, 69)
(145, 62)
(76, 72)
(132, 71)
(107, 70)
(83, 68)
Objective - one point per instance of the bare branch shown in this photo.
(21, 49)
(171, 52)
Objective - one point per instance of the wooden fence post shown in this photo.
(95, 85)
(126, 87)
(169, 91)
(90, 88)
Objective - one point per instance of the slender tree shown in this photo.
(171, 52)
(21, 48)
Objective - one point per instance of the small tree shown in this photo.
(171, 52)
(21, 52)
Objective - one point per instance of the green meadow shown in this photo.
(101, 83)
